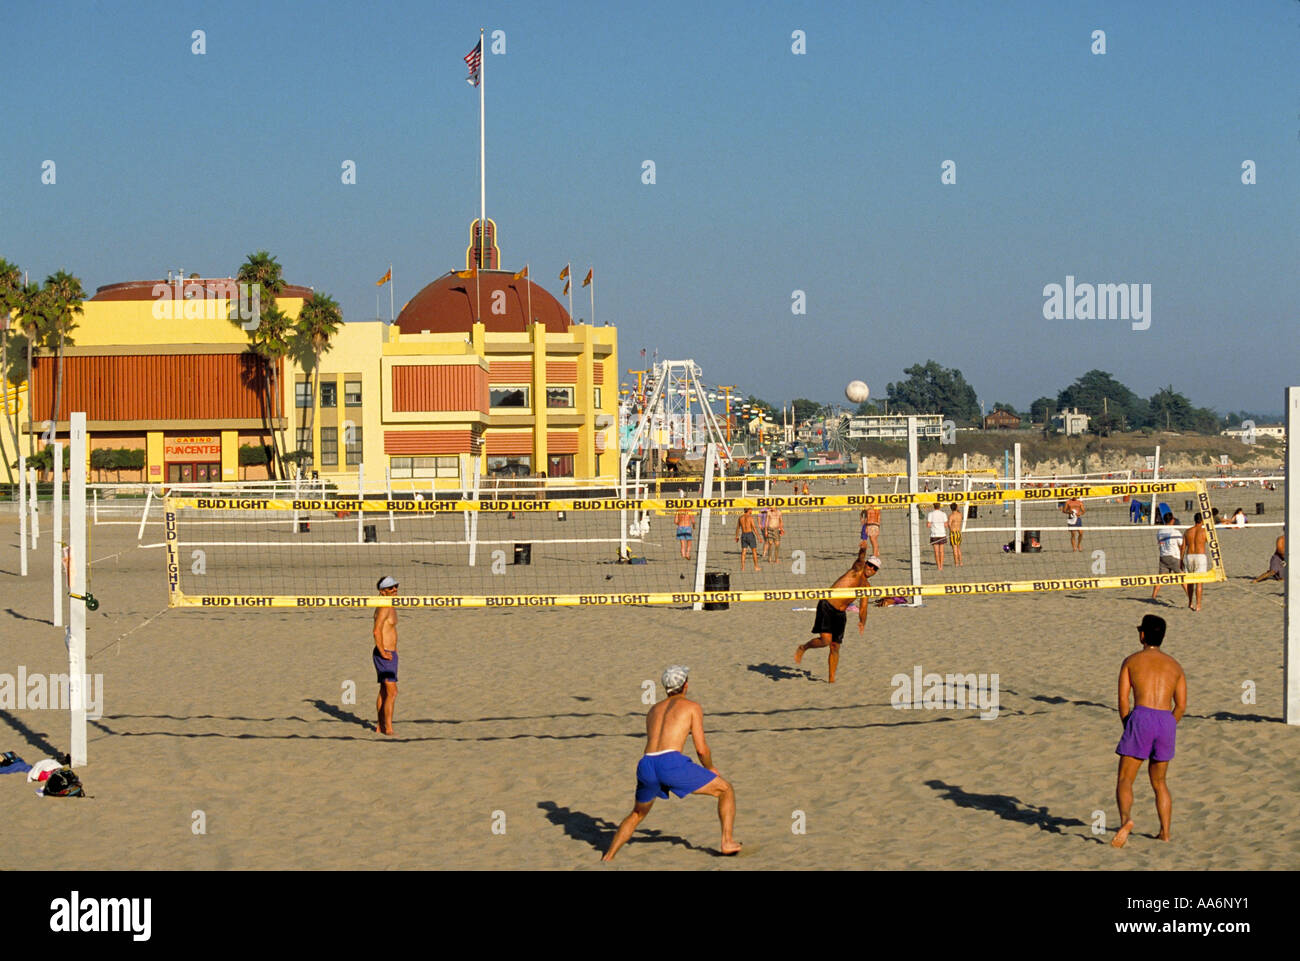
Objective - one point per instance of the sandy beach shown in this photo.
(530, 723)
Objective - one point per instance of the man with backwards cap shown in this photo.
(1155, 680)
(665, 768)
(829, 623)
(385, 656)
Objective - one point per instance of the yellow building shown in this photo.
(161, 366)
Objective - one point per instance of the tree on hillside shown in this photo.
(1101, 395)
(1170, 410)
(1042, 409)
(805, 409)
(932, 389)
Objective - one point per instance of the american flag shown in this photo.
(474, 60)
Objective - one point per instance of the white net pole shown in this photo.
(1291, 651)
(388, 486)
(361, 495)
(76, 633)
(56, 536)
(1018, 503)
(473, 519)
(1155, 476)
(914, 511)
(702, 548)
(144, 515)
(31, 503)
(22, 514)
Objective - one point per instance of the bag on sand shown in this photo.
(64, 783)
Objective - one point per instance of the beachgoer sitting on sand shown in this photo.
(1276, 563)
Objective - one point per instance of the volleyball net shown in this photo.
(265, 550)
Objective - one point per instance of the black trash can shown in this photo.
(304, 526)
(973, 511)
(523, 553)
(1032, 543)
(1188, 505)
(717, 581)
(1259, 507)
(369, 535)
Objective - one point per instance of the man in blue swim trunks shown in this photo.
(1155, 680)
(385, 657)
(665, 768)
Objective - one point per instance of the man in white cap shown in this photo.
(665, 768)
(385, 656)
(828, 624)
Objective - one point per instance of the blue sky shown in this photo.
(775, 172)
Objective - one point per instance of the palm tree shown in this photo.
(11, 280)
(270, 338)
(318, 322)
(65, 298)
(33, 306)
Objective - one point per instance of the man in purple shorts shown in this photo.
(665, 768)
(1155, 680)
(384, 656)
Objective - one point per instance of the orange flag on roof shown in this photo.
(385, 279)
(523, 274)
(587, 280)
(566, 287)
(565, 272)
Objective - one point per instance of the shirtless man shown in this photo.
(1074, 510)
(830, 620)
(1155, 679)
(954, 532)
(1276, 563)
(747, 536)
(772, 535)
(685, 524)
(385, 656)
(1195, 560)
(870, 529)
(665, 768)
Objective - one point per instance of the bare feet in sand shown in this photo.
(1121, 836)
(731, 847)
(798, 654)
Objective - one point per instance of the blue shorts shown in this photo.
(385, 670)
(747, 539)
(665, 771)
(684, 533)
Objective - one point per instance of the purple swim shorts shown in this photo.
(1148, 735)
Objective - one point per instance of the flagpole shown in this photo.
(593, 299)
(569, 278)
(529, 319)
(482, 148)
(390, 292)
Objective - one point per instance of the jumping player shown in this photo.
(828, 625)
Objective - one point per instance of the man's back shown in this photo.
(669, 722)
(1195, 539)
(1154, 676)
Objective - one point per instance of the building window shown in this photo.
(329, 444)
(559, 465)
(303, 449)
(352, 443)
(559, 396)
(329, 393)
(405, 468)
(596, 392)
(302, 393)
(352, 393)
(509, 396)
(503, 466)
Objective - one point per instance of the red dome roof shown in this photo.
(447, 306)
